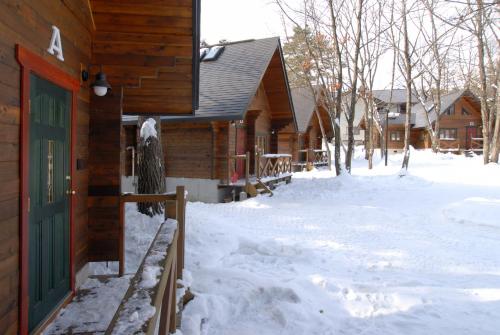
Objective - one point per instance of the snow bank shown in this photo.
(474, 211)
(372, 253)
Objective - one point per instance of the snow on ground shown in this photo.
(371, 253)
(98, 298)
(140, 230)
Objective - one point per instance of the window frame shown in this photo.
(448, 132)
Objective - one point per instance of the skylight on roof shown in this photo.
(203, 53)
(214, 53)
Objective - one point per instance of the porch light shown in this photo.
(100, 84)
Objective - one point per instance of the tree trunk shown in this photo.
(495, 150)
(352, 107)
(338, 89)
(482, 79)
(408, 79)
(150, 165)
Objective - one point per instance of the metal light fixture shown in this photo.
(100, 84)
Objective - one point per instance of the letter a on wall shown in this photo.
(55, 47)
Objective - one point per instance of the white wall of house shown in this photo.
(359, 134)
(204, 190)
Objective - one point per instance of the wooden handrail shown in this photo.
(163, 295)
(449, 145)
(273, 165)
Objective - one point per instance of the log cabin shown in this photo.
(245, 107)
(314, 129)
(60, 192)
(459, 124)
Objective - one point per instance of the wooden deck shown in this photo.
(269, 182)
(167, 253)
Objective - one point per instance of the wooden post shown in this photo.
(228, 164)
(121, 241)
(257, 163)
(173, 299)
(181, 217)
(247, 168)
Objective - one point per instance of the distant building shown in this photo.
(460, 121)
(385, 101)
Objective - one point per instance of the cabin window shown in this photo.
(465, 111)
(214, 53)
(450, 110)
(396, 136)
(448, 133)
(402, 108)
(355, 130)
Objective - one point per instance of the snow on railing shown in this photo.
(273, 165)
(150, 304)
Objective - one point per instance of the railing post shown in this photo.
(247, 168)
(121, 242)
(257, 163)
(181, 220)
(228, 164)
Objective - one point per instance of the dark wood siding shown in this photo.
(29, 23)
(147, 47)
(188, 150)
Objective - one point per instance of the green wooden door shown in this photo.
(49, 271)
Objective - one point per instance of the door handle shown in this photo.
(70, 192)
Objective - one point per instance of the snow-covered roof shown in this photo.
(304, 104)
(446, 101)
(398, 96)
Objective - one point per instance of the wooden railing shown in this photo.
(449, 145)
(476, 144)
(232, 162)
(317, 157)
(273, 165)
(166, 253)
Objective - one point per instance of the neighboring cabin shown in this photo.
(59, 143)
(386, 102)
(460, 122)
(245, 106)
(309, 139)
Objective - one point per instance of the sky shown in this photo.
(236, 20)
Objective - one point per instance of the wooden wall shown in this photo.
(147, 47)
(106, 150)
(188, 149)
(420, 139)
(29, 24)
(277, 92)
(460, 122)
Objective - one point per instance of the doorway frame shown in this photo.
(468, 140)
(33, 63)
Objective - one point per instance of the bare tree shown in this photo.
(372, 49)
(354, 74)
